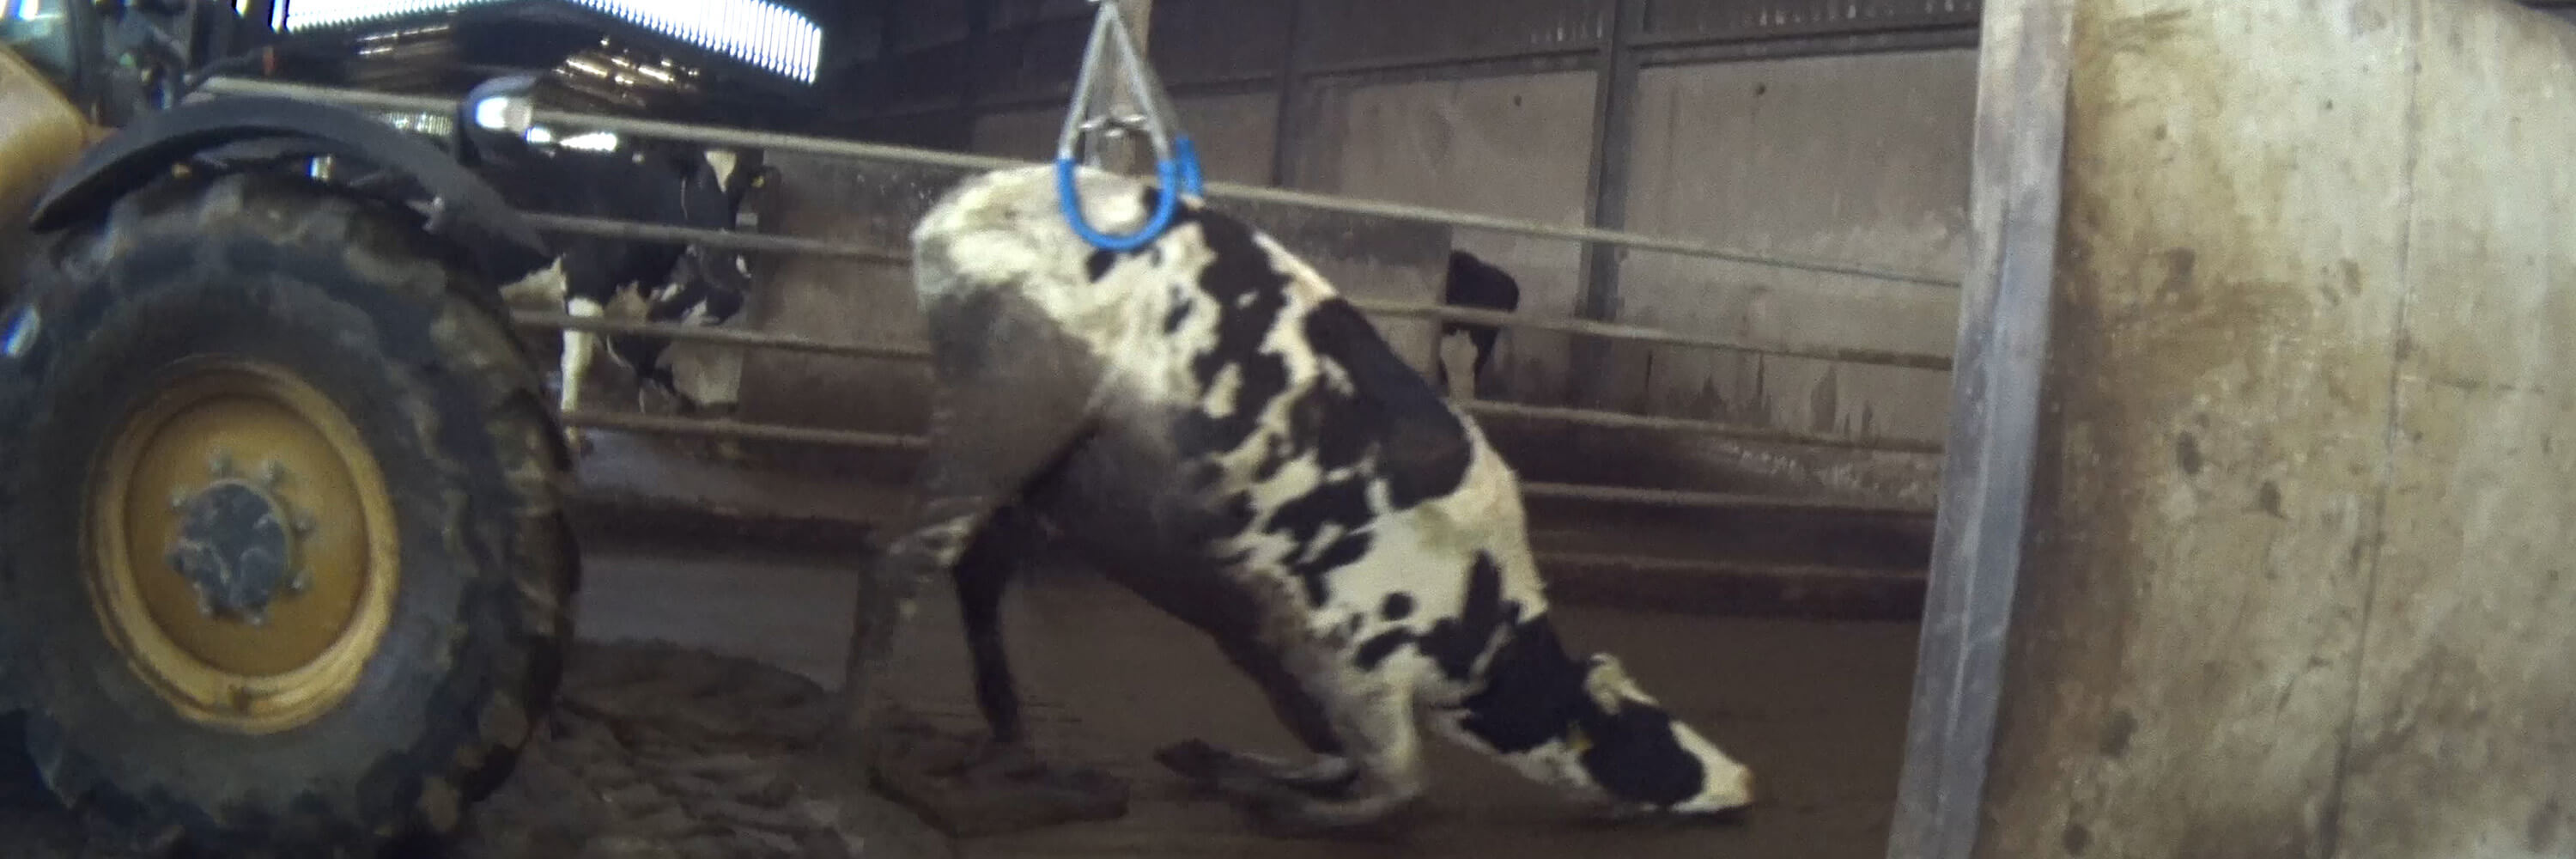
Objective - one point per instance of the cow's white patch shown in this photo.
(1458, 365)
(722, 161)
(542, 289)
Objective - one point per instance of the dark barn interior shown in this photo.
(1748, 527)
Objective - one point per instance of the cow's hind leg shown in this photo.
(982, 576)
(1013, 394)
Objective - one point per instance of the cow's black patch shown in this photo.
(1455, 643)
(1532, 691)
(1302, 519)
(1099, 263)
(1274, 456)
(1202, 475)
(1337, 427)
(1236, 514)
(1179, 313)
(1317, 573)
(1337, 502)
(1374, 651)
(1248, 294)
(1398, 607)
(1422, 447)
(1635, 756)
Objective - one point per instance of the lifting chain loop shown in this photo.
(1176, 160)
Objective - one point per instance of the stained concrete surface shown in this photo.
(1816, 708)
(2294, 574)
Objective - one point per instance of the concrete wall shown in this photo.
(1859, 159)
(2296, 559)
(1514, 146)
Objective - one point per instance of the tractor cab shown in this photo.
(45, 121)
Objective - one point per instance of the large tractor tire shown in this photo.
(283, 563)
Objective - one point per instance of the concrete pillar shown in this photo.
(2293, 581)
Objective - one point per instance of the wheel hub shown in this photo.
(242, 545)
(236, 545)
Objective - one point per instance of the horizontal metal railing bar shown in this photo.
(880, 152)
(1580, 417)
(1619, 420)
(716, 335)
(720, 239)
(1711, 500)
(1610, 330)
(660, 425)
(1642, 334)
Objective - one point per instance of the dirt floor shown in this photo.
(670, 751)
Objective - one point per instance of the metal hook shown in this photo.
(1176, 160)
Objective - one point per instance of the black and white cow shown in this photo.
(1212, 425)
(1465, 347)
(598, 276)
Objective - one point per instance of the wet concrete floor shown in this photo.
(1816, 708)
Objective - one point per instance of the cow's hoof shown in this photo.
(1201, 765)
(1212, 772)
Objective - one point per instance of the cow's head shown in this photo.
(1630, 752)
(739, 174)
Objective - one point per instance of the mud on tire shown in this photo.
(357, 303)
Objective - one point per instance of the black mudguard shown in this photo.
(471, 212)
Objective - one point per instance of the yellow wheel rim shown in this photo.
(242, 552)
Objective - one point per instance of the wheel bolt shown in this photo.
(300, 582)
(304, 524)
(272, 473)
(178, 499)
(221, 463)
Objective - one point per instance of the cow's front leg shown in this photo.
(580, 348)
(1458, 365)
(1227, 772)
(708, 379)
(1374, 718)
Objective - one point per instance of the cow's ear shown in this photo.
(1606, 681)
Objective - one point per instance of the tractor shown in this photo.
(284, 563)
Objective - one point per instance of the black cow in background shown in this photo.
(595, 276)
(1472, 283)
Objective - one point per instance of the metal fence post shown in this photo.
(1614, 127)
